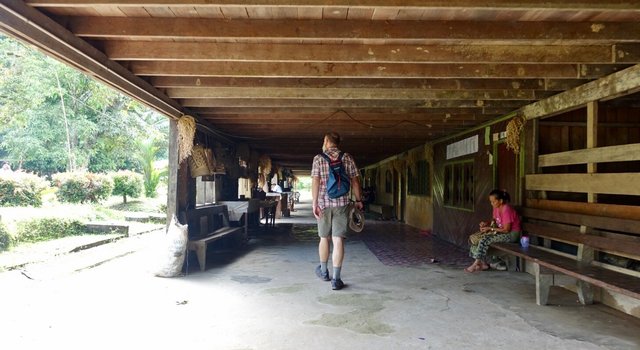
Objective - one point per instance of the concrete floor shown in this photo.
(266, 296)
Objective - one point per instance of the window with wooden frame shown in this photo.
(459, 185)
(418, 183)
(205, 191)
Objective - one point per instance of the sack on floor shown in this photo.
(172, 249)
(475, 238)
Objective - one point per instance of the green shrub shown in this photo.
(5, 238)
(42, 229)
(81, 187)
(20, 189)
(127, 183)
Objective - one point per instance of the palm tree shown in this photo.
(147, 152)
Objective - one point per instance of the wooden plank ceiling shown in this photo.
(389, 75)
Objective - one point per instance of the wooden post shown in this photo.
(586, 254)
(585, 292)
(544, 281)
(592, 140)
(172, 191)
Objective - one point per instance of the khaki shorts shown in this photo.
(334, 222)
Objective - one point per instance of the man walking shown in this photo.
(332, 213)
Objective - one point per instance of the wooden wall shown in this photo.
(456, 224)
(568, 132)
(414, 210)
(589, 164)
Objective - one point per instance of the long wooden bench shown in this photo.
(565, 227)
(207, 225)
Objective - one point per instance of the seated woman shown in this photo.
(505, 227)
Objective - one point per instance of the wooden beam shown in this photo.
(351, 94)
(482, 112)
(302, 127)
(370, 70)
(418, 32)
(341, 115)
(620, 83)
(291, 123)
(277, 131)
(618, 183)
(602, 222)
(598, 209)
(433, 84)
(483, 105)
(620, 153)
(28, 24)
(352, 53)
(412, 4)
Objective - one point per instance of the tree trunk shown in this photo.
(124, 198)
(71, 165)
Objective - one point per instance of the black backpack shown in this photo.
(338, 183)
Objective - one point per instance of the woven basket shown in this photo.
(210, 159)
(198, 163)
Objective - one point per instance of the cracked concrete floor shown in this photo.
(267, 297)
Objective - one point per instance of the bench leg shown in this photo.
(544, 281)
(512, 262)
(201, 253)
(585, 292)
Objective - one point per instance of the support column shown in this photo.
(544, 281)
(586, 254)
(172, 181)
(585, 292)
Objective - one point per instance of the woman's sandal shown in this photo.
(472, 269)
(476, 268)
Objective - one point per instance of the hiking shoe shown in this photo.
(499, 266)
(337, 284)
(322, 275)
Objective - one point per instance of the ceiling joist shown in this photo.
(352, 53)
(370, 70)
(388, 74)
(418, 32)
(354, 94)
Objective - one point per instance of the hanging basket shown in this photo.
(186, 132)
(198, 163)
(210, 159)
(514, 129)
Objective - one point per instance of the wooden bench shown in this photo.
(565, 227)
(385, 210)
(207, 225)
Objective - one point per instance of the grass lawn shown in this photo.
(113, 209)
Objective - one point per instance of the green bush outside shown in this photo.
(81, 187)
(42, 229)
(20, 189)
(5, 238)
(127, 184)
